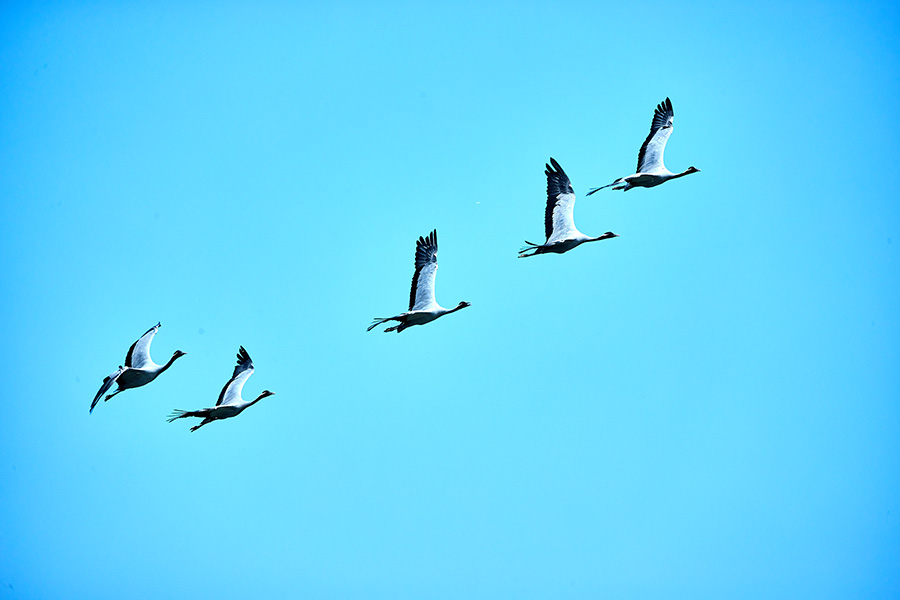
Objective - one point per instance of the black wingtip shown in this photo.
(557, 183)
(428, 240)
(243, 355)
(556, 168)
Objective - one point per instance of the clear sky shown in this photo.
(707, 406)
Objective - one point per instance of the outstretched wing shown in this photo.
(559, 221)
(108, 382)
(421, 295)
(139, 354)
(650, 158)
(231, 393)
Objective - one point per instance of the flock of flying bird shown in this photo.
(561, 236)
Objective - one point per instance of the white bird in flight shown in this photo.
(650, 168)
(230, 404)
(139, 368)
(559, 219)
(423, 308)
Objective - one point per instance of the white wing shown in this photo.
(650, 158)
(559, 218)
(139, 354)
(231, 393)
(421, 295)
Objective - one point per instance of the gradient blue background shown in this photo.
(705, 407)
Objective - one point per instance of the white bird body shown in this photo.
(139, 368)
(651, 171)
(423, 308)
(559, 219)
(230, 403)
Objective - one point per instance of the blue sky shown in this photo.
(707, 406)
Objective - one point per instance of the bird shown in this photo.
(139, 368)
(559, 222)
(230, 404)
(650, 168)
(423, 308)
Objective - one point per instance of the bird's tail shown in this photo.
(531, 247)
(107, 383)
(180, 414)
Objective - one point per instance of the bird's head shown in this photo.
(693, 170)
(610, 234)
(178, 354)
(463, 304)
(265, 393)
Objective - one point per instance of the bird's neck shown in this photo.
(456, 308)
(258, 398)
(605, 236)
(168, 364)
(682, 174)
